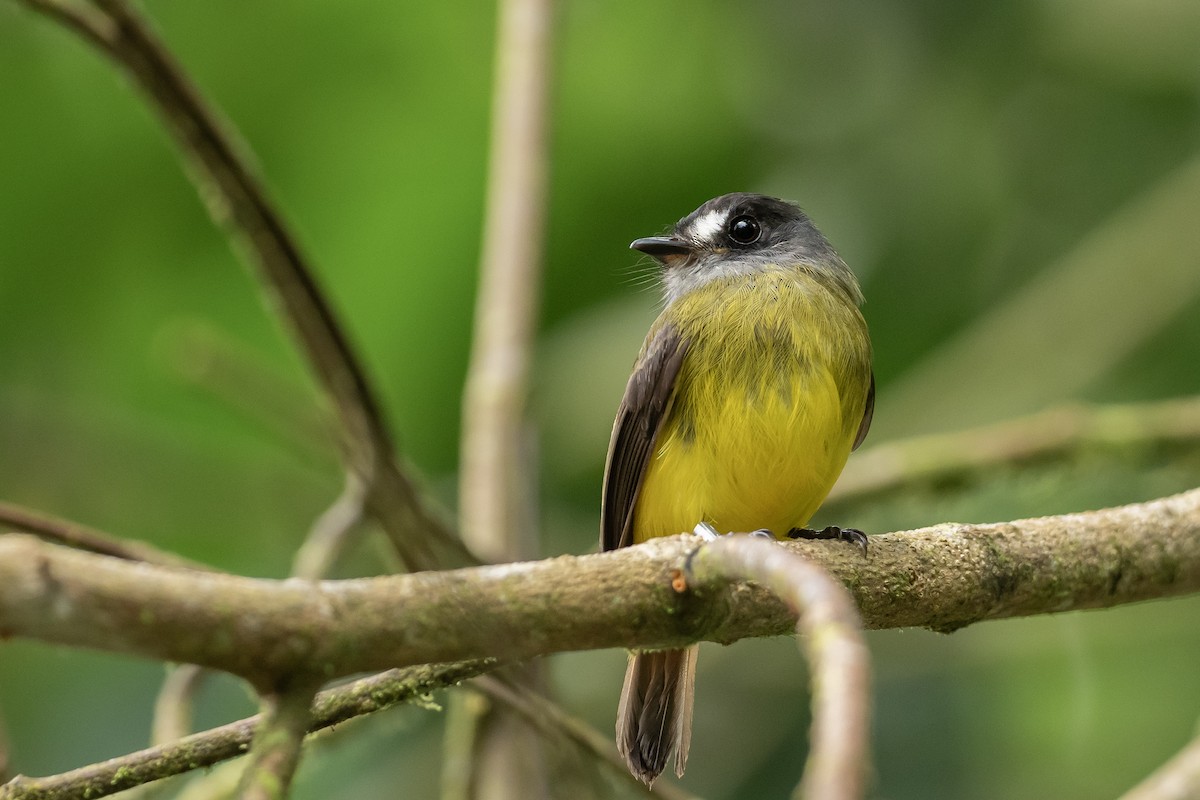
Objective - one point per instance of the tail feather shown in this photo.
(655, 714)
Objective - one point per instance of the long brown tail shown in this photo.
(655, 715)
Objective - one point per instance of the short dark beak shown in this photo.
(661, 247)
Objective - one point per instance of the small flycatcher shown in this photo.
(751, 389)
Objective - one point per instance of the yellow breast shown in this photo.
(766, 406)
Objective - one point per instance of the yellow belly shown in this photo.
(766, 409)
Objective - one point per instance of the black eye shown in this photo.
(744, 230)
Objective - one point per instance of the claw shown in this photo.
(849, 535)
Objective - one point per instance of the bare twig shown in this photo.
(275, 752)
(1178, 779)
(173, 706)
(495, 478)
(5, 764)
(217, 783)
(92, 25)
(493, 472)
(236, 199)
(550, 719)
(942, 578)
(1047, 433)
(331, 533)
(200, 750)
(833, 642)
(73, 534)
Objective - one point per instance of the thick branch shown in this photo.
(942, 578)
(331, 532)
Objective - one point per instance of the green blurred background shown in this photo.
(1017, 185)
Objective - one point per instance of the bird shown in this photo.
(751, 389)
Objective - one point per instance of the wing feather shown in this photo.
(647, 401)
(868, 414)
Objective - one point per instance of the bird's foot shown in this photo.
(850, 535)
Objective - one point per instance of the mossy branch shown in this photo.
(277, 741)
(266, 631)
(942, 578)
(205, 749)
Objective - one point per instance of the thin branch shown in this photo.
(1048, 433)
(218, 783)
(332, 532)
(832, 639)
(82, 537)
(173, 706)
(551, 721)
(275, 753)
(941, 578)
(220, 167)
(5, 757)
(493, 473)
(328, 537)
(496, 474)
(1122, 311)
(92, 25)
(330, 708)
(1178, 779)
(458, 745)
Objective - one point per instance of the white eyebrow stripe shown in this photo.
(707, 228)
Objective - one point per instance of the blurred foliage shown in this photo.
(1016, 185)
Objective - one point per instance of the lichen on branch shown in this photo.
(941, 578)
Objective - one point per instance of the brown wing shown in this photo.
(647, 400)
(868, 413)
